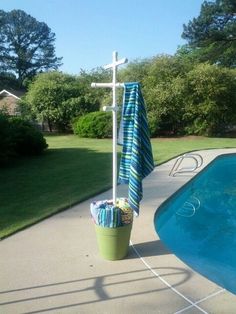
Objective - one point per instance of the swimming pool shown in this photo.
(198, 223)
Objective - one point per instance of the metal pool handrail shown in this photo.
(189, 208)
(198, 161)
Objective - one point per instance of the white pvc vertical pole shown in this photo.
(115, 63)
(114, 118)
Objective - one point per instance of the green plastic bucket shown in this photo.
(113, 243)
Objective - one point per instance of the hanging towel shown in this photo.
(136, 158)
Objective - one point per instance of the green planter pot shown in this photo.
(113, 243)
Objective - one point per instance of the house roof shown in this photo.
(13, 93)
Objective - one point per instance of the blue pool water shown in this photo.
(198, 223)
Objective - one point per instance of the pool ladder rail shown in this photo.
(196, 158)
(189, 207)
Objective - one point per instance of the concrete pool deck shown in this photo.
(55, 267)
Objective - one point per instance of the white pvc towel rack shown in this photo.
(114, 108)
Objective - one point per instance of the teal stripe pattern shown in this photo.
(136, 158)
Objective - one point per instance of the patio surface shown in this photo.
(55, 267)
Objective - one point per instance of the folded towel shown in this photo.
(126, 211)
(136, 159)
(105, 214)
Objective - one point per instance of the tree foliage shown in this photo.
(136, 71)
(8, 81)
(213, 32)
(84, 80)
(210, 106)
(57, 98)
(162, 78)
(182, 96)
(163, 91)
(185, 96)
(26, 45)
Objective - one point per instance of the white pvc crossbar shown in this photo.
(110, 85)
(115, 63)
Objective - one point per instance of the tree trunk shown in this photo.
(50, 125)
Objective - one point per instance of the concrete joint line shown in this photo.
(166, 283)
(201, 300)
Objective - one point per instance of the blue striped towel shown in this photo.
(136, 158)
(105, 214)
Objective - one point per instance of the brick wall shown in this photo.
(9, 103)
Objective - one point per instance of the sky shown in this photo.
(88, 31)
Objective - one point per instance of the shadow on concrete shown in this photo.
(90, 290)
(146, 249)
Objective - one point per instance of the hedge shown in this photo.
(94, 125)
(19, 137)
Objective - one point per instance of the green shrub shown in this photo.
(6, 145)
(94, 125)
(18, 138)
(27, 140)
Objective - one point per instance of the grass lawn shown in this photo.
(71, 170)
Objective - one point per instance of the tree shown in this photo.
(213, 32)
(135, 71)
(98, 75)
(210, 99)
(26, 45)
(8, 81)
(57, 98)
(164, 94)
